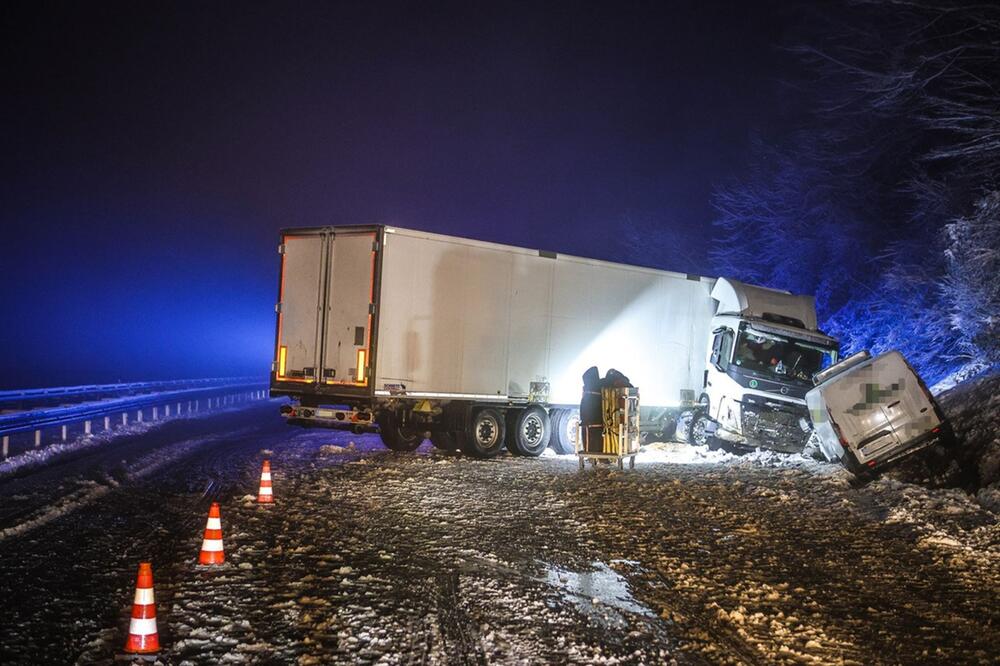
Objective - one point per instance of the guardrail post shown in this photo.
(6, 445)
(38, 438)
(156, 413)
(64, 433)
(124, 418)
(86, 427)
(107, 422)
(138, 416)
(166, 411)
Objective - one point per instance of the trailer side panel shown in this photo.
(465, 318)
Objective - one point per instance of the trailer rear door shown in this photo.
(350, 292)
(299, 304)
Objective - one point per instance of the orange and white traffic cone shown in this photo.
(211, 545)
(142, 635)
(266, 494)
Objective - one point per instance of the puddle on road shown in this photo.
(599, 593)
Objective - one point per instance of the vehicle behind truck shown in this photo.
(872, 412)
(481, 346)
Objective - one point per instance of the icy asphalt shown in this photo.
(370, 556)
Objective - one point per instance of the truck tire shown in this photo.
(444, 440)
(528, 431)
(484, 436)
(564, 430)
(396, 436)
(696, 434)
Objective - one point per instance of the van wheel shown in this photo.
(396, 436)
(862, 474)
(528, 431)
(484, 436)
(565, 423)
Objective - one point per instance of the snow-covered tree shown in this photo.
(901, 137)
(787, 225)
(972, 283)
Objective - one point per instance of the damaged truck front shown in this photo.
(765, 349)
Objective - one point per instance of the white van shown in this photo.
(870, 412)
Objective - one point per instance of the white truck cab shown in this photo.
(869, 412)
(764, 350)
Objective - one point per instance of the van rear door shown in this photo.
(853, 400)
(350, 289)
(299, 303)
(908, 410)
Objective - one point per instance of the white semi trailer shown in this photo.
(480, 345)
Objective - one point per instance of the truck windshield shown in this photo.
(772, 354)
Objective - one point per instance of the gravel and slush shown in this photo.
(372, 556)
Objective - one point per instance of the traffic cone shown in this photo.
(265, 495)
(142, 635)
(211, 545)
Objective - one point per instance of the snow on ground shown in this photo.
(370, 556)
(41, 456)
(974, 411)
(32, 458)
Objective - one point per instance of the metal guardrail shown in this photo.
(191, 398)
(20, 395)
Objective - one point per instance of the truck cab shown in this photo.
(764, 349)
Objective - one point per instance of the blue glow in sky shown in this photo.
(152, 152)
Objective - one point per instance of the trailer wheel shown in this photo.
(396, 436)
(565, 423)
(444, 440)
(528, 431)
(484, 436)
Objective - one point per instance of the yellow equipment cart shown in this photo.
(617, 438)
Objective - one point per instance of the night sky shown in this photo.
(151, 152)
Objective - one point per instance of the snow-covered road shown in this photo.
(377, 557)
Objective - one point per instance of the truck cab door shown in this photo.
(718, 364)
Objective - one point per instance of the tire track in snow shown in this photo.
(140, 469)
